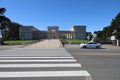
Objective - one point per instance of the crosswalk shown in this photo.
(41, 68)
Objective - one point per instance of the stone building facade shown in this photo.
(30, 32)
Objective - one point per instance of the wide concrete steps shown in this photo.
(51, 43)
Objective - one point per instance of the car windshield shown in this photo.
(92, 43)
(84, 42)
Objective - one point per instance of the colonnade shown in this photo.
(67, 35)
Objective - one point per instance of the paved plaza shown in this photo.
(47, 43)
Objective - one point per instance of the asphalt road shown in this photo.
(102, 64)
(57, 64)
(40, 64)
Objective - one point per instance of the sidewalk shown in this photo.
(110, 47)
(51, 43)
(103, 46)
(10, 46)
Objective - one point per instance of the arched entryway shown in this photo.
(53, 36)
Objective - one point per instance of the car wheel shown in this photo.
(97, 47)
(84, 47)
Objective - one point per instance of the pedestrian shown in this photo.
(63, 44)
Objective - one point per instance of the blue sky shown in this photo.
(95, 14)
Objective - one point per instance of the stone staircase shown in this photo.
(51, 43)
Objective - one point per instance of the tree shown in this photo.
(89, 35)
(2, 11)
(113, 29)
(115, 25)
(4, 21)
(98, 35)
(13, 31)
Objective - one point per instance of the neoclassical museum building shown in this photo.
(53, 32)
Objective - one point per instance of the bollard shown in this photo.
(117, 42)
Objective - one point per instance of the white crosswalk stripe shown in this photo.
(40, 65)
(36, 57)
(51, 60)
(51, 65)
(55, 60)
(44, 74)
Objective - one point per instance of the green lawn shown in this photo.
(75, 41)
(17, 42)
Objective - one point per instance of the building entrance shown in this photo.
(53, 36)
(53, 32)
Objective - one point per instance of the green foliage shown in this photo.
(13, 31)
(89, 35)
(4, 21)
(75, 41)
(8, 29)
(2, 11)
(115, 24)
(107, 32)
